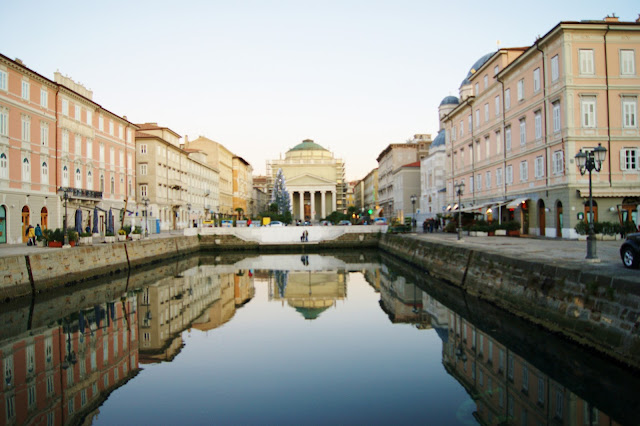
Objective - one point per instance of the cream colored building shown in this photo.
(524, 114)
(242, 185)
(370, 188)
(390, 159)
(176, 187)
(314, 178)
(221, 159)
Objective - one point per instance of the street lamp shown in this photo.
(589, 161)
(145, 200)
(188, 215)
(459, 189)
(66, 199)
(413, 199)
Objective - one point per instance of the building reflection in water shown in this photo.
(310, 289)
(505, 387)
(61, 373)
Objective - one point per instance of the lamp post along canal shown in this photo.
(459, 189)
(66, 199)
(146, 216)
(413, 205)
(588, 161)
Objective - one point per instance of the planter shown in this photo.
(72, 243)
(582, 238)
(135, 237)
(605, 237)
(515, 233)
(482, 234)
(492, 233)
(502, 232)
(86, 241)
(122, 237)
(55, 244)
(110, 239)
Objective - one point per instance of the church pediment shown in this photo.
(308, 180)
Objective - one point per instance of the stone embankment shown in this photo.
(596, 309)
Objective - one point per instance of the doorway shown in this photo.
(25, 222)
(44, 218)
(541, 218)
(525, 217)
(559, 219)
(3, 225)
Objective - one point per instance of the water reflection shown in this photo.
(428, 352)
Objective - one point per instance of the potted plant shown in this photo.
(122, 235)
(54, 238)
(136, 233)
(109, 237)
(72, 236)
(513, 228)
(85, 238)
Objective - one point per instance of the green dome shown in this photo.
(311, 313)
(307, 145)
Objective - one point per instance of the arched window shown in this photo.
(44, 174)
(113, 185)
(101, 183)
(89, 181)
(65, 176)
(78, 179)
(4, 166)
(26, 170)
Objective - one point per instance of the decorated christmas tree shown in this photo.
(280, 195)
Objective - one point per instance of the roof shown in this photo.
(450, 100)
(476, 65)
(414, 164)
(439, 139)
(307, 145)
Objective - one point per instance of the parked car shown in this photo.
(226, 223)
(380, 221)
(344, 223)
(208, 223)
(276, 223)
(325, 223)
(630, 251)
(306, 223)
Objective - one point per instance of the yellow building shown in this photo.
(242, 185)
(314, 180)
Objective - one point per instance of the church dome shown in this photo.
(450, 100)
(307, 145)
(439, 140)
(479, 63)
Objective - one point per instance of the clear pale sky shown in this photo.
(261, 76)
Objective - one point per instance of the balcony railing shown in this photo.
(81, 193)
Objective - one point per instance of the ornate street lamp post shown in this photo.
(188, 215)
(146, 216)
(66, 199)
(413, 205)
(459, 189)
(587, 162)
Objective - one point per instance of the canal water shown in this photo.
(293, 339)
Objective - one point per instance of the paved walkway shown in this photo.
(545, 250)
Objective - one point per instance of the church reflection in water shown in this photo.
(63, 355)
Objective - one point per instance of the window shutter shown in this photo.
(623, 163)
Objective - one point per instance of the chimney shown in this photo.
(612, 18)
(186, 140)
(18, 60)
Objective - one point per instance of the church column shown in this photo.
(313, 204)
(333, 201)
(301, 207)
(323, 196)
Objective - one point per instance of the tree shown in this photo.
(280, 195)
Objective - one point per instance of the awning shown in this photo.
(610, 193)
(515, 203)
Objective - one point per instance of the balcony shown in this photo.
(81, 194)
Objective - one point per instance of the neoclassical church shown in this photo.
(315, 180)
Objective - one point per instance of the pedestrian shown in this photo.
(425, 224)
(38, 231)
(306, 236)
(31, 236)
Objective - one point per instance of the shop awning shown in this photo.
(515, 203)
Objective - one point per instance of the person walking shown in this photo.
(31, 236)
(38, 232)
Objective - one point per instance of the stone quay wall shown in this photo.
(599, 311)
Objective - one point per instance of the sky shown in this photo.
(261, 76)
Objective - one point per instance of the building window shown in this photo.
(520, 88)
(89, 181)
(26, 128)
(4, 121)
(44, 133)
(629, 158)
(470, 123)
(536, 80)
(629, 112)
(65, 176)
(89, 117)
(523, 132)
(471, 183)
(507, 137)
(476, 89)
(44, 174)
(524, 171)
(556, 116)
(461, 128)
(478, 182)
(4, 166)
(113, 185)
(498, 142)
(101, 123)
(537, 121)
(486, 81)
(507, 99)
(65, 107)
(558, 162)
(559, 404)
(487, 147)
(143, 169)
(89, 149)
(497, 105)
(486, 112)
(26, 170)
(78, 179)
(143, 190)
(120, 132)
(44, 98)
(539, 167)
(78, 144)
(25, 90)
(101, 152)
(585, 57)
(588, 110)
(554, 68)
(3, 80)
(143, 148)
(509, 175)
(77, 112)
(627, 62)
(487, 180)
(496, 70)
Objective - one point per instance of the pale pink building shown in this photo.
(524, 114)
(54, 139)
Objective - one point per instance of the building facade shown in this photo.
(315, 180)
(389, 160)
(526, 112)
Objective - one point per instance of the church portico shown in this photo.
(312, 202)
